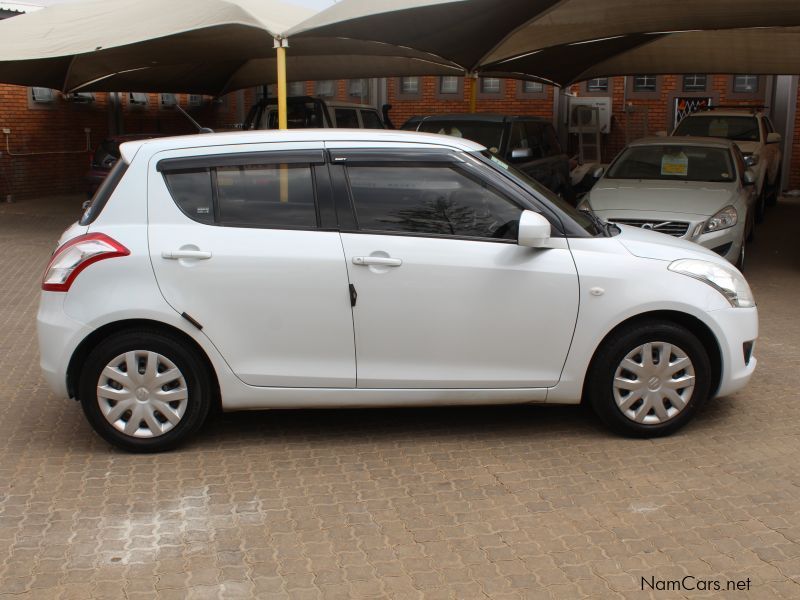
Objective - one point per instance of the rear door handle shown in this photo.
(178, 254)
(377, 260)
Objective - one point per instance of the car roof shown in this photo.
(676, 140)
(362, 136)
(490, 117)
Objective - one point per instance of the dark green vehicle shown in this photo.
(529, 143)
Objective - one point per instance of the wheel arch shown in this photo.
(689, 322)
(90, 341)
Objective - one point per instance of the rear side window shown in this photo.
(192, 192)
(272, 194)
(104, 192)
(266, 196)
(430, 200)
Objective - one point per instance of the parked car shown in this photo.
(698, 189)
(752, 130)
(325, 268)
(528, 143)
(106, 156)
(304, 112)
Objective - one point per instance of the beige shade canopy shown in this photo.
(195, 46)
(483, 35)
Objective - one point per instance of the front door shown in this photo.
(445, 296)
(236, 244)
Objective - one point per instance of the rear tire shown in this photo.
(145, 391)
(648, 395)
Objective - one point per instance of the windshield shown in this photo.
(739, 129)
(585, 221)
(674, 163)
(486, 134)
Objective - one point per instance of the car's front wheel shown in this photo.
(145, 391)
(648, 379)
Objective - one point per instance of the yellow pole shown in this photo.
(473, 93)
(281, 56)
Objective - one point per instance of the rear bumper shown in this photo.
(58, 336)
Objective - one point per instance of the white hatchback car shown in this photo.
(693, 188)
(330, 268)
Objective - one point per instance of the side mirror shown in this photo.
(774, 138)
(520, 153)
(751, 160)
(598, 172)
(534, 230)
(749, 177)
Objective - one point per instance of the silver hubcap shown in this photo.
(142, 394)
(654, 383)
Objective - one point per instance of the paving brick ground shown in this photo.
(518, 502)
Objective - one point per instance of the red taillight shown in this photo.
(77, 254)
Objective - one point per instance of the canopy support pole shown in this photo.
(280, 48)
(473, 92)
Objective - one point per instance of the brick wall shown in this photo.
(429, 101)
(45, 152)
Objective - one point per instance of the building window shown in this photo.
(448, 84)
(167, 100)
(195, 99)
(296, 88)
(326, 88)
(137, 99)
(532, 87)
(745, 84)
(644, 83)
(409, 85)
(599, 84)
(358, 88)
(42, 95)
(695, 83)
(490, 85)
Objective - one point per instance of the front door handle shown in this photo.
(178, 254)
(382, 261)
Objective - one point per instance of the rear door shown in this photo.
(245, 244)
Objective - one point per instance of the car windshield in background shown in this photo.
(674, 163)
(486, 134)
(739, 129)
(106, 154)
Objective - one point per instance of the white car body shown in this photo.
(456, 321)
(678, 208)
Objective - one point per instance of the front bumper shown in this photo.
(733, 328)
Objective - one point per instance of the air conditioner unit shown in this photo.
(589, 115)
(137, 98)
(168, 100)
(42, 95)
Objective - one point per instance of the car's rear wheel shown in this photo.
(144, 391)
(649, 379)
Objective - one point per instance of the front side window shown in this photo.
(371, 120)
(275, 196)
(438, 200)
(673, 162)
(738, 129)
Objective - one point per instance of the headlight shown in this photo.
(723, 278)
(727, 217)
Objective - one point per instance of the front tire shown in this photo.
(144, 391)
(648, 379)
